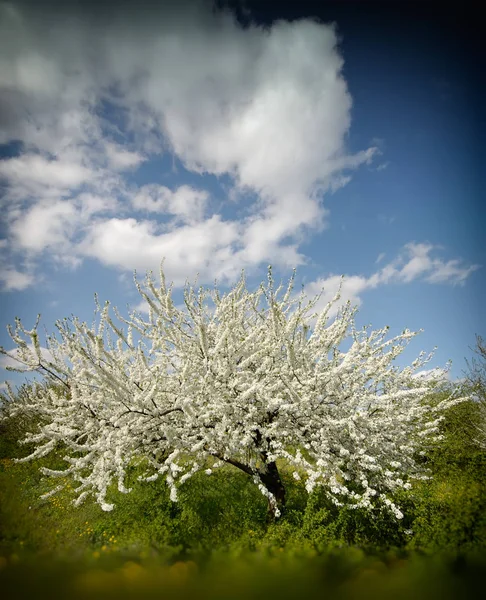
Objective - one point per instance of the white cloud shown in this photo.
(142, 306)
(34, 175)
(450, 272)
(415, 267)
(52, 225)
(419, 261)
(413, 263)
(89, 204)
(10, 359)
(121, 159)
(436, 270)
(430, 374)
(14, 280)
(43, 225)
(268, 107)
(185, 202)
(351, 287)
(203, 247)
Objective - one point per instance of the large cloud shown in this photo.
(92, 95)
(204, 247)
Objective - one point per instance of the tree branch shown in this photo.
(41, 366)
(245, 468)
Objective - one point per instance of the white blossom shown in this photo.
(246, 383)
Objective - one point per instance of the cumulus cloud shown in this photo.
(132, 244)
(43, 225)
(104, 92)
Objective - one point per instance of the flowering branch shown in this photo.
(248, 383)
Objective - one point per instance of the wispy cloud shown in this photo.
(414, 263)
(386, 219)
(14, 280)
(418, 261)
(428, 374)
(121, 159)
(184, 202)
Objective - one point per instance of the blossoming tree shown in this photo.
(246, 382)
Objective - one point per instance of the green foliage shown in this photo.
(328, 525)
(450, 515)
(219, 527)
(457, 451)
(12, 430)
(450, 508)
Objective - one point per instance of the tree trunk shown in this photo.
(270, 477)
(272, 481)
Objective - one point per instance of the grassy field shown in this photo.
(216, 542)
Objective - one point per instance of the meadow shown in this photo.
(216, 542)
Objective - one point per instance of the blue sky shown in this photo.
(350, 150)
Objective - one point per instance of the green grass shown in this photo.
(215, 542)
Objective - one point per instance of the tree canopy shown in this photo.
(253, 380)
